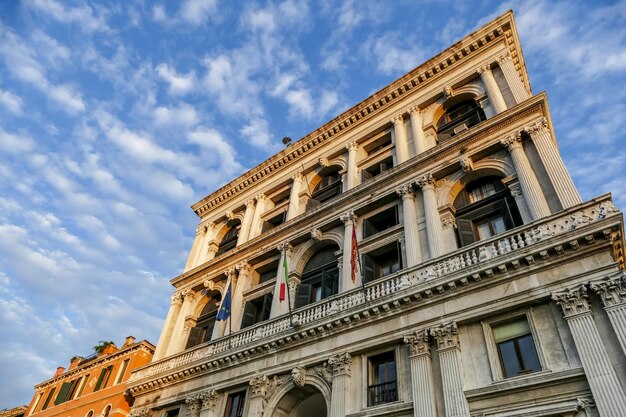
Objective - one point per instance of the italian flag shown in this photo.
(285, 282)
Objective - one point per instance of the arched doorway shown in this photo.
(305, 401)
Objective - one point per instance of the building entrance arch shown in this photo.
(305, 401)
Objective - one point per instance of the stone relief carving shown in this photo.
(611, 289)
(447, 92)
(446, 335)
(177, 298)
(418, 342)
(606, 209)
(573, 300)
(323, 162)
(405, 190)
(324, 372)
(194, 403)
(316, 234)
(299, 376)
(467, 164)
(209, 398)
(259, 385)
(340, 364)
(427, 180)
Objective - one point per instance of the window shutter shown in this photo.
(465, 230)
(368, 228)
(63, 393)
(369, 268)
(399, 255)
(100, 378)
(194, 337)
(304, 295)
(328, 282)
(366, 175)
(267, 306)
(249, 315)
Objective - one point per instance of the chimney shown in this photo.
(129, 341)
(75, 361)
(59, 371)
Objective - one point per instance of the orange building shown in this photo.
(92, 386)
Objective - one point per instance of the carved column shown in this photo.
(419, 139)
(246, 223)
(170, 321)
(281, 307)
(294, 199)
(447, 215)
(352, 178)
(421, 374)
(492, 89)
(340, 385)
(605, 386)
(447, 337)
(612, 291)
(243, 283)
(262, 204)
(512, 78)
(536, 201)
(516, 191)
(411, 230)
(258, 389)
(433, 221)
(196, 248)
(349, 221)
(209, 402)
(180, 333)
(194, 404)
(551, 158)
(399, 133)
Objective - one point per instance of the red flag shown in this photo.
(285, 282)
(354, 256)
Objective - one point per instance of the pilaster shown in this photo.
(612, 292)
(262, 203)
(246, 223)
(168, 327)
(243, 284)
(209, 403)
(181, 329)
(421, 374)
(349, 221)
(605, 386)
(493, 91)
(281, 307)
(258, 390)
(419, 139)
(512, 78)
(352, 179)
(411, 229)
(433, 221)
(515, 188)
(294, 200)
(399, 132)
(341, 383)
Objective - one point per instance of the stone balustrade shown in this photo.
(481, 259)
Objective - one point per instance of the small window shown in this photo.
(106, 411)
(48, 398)
(320, 278)
(89, 413)
(66, 392)
(381, 262)
(103, 378)
(516, 348)
(267, 272)
(234, 404)
(274, 221)
(328, 187)
(229, 241)
(203, 330)
(120, 374)
(380, 221)
(377, 169)
(378, 144)
(257, 310)
(458, 118)
(382, 379)
(173, 412)
(82, 385)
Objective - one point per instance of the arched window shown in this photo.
(106, 411)
(484, 208)
(320, 277)
(328, 187)
(459, 117)
(203, 330)
(229, 241)
(89, 414)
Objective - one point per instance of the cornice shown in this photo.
(143, 345)
(489, 34)
(433, 160)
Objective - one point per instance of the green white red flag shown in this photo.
(285, 281)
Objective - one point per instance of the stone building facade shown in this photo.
(485, 287)
(93, 386)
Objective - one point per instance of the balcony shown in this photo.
(513, 250)
(382, 393)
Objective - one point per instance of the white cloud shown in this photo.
(15, 144)
(178, 83)
(158, 13)
(82, 15)
(70, 99)
(54, 52)
(390, 54)
(11, 102)
(197, 11)
(257, 133)
(300, 103)
(184, 115)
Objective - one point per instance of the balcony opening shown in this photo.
(328, 187)
(320, 277)
(380, 221)
(458, 118)
(484, 209)
(377, 168)
(382, 381)
(229, 241)
(267, 272)
(381, 262)
(257, 310)
(203, 329)
(274, 221)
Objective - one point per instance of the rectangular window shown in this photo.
(377, 169)
(103, 378)
(234, 405)
(173, 412)
(381, 262)
(35, 404)
(516, 348)
(48, 398)
(82, 386)
(257, 310)
(380, 221)
(274, 221)
(382, 383)
(120, 374)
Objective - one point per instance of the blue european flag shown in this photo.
(224, 311)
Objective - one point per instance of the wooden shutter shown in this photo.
(249, 315)
(368, 228)
(369, 267)
(304, 295)
(100, 378)
(328, 282)
(267, 306)
(399, 255)
(63, 393)
(465, 230)
(194, 337)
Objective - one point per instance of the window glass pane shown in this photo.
(511, 330)
(508, 356)
(529, 353)
(483, 231)
(498, 225)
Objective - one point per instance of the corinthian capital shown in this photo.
(340, 364)
(177, 298)
(284, 246)
(243, 268)
(298, 176)
(194, 403)
(418, 342)
(483, 69)
(446, 335)
(347, 217)
(511, 142)
(611, 289)
(504, 57)
(426, 181)
(259, 385)
(352, 146)
(188, 294)
(405, 190)
(398, 119)
(209, 398)
(573, 300)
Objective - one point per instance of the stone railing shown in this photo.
(467, 258)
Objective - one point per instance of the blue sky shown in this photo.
(116, 116)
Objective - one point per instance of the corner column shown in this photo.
(433, 221)
(349, 221)
(181, 329)
(419, 139)
(294, 200)
(258, 390)
(243, 283)
(422, 385)
(399, 133)
(493, 91)
(605, 386)
(448, 346)
(352, 179)
(340, 385)
(411, 230)
(612, 292)
(512, 78)
(246, 223)
(551, 158)
(168, 326)
(536, 201)
(262, 203)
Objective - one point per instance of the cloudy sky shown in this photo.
(116, 116)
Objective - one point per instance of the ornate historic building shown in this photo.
(93, 386)
(485, 287)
